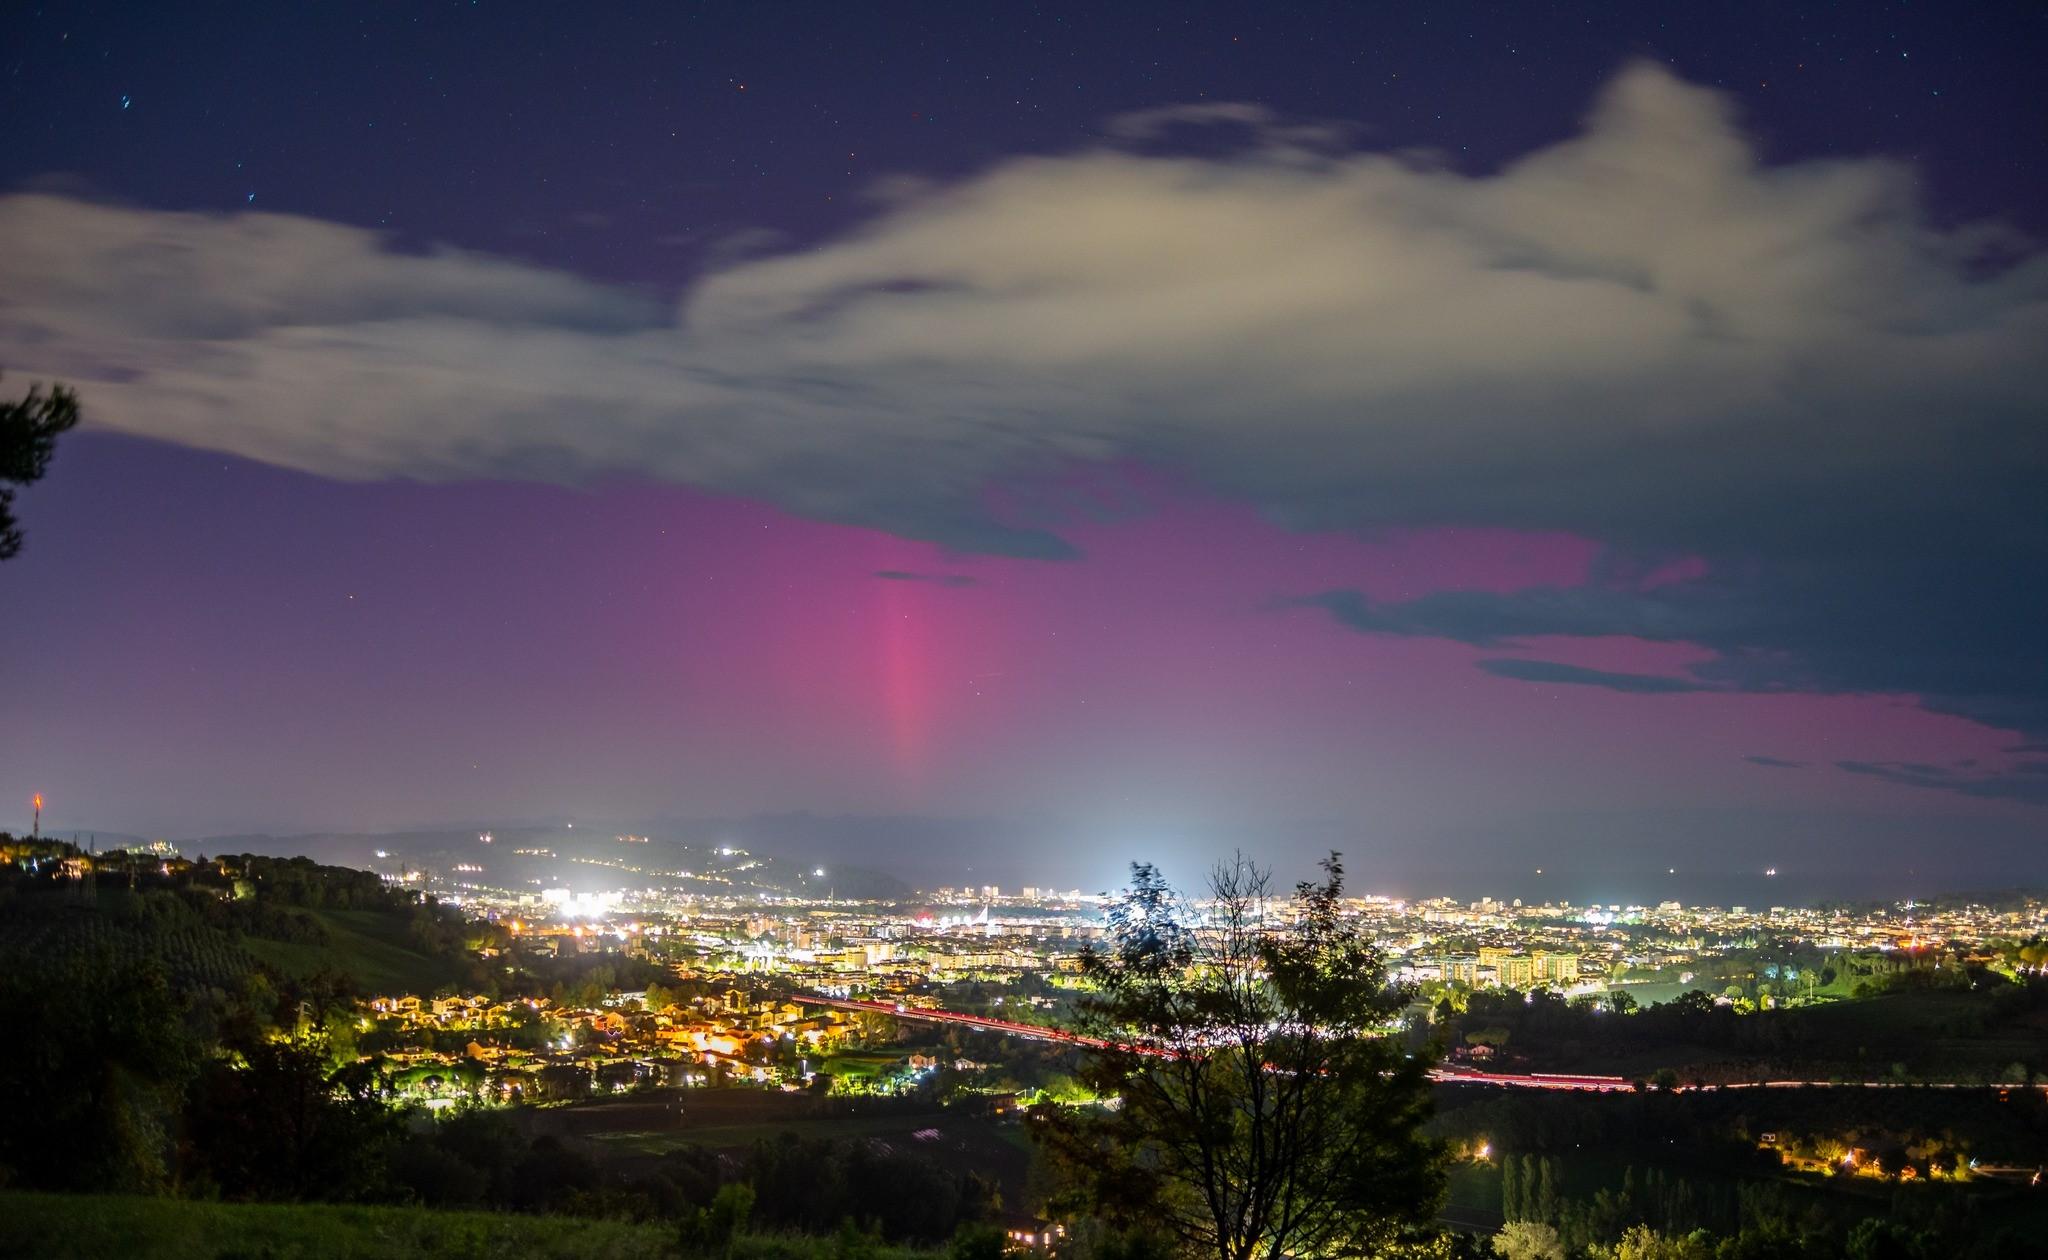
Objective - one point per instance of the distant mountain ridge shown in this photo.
(583, 858)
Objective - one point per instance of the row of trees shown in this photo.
(1872, 1239)
(1545, 1029)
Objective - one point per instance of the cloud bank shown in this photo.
(1644, 334)
(1580, 676)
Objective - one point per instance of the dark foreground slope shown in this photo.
(118, 1227)
(92, 1226)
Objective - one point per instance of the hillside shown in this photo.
(44, 931)
(369, 947)
(210, 926)
(91, 1227)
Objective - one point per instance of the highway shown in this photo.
(1451, 1076)
(1584, 1083)
(933, 1016)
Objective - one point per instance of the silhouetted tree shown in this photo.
(1264, 1111)
(280, 1124)
(28, 438)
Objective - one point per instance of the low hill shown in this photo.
(90, 1227)
(37, 932)
(588, 858)
(209, 926)
(371, 948)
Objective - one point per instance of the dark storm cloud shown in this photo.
(1903, 617)
(2026, 782)
(1556, 672)
(1485, 619)
(1776, 763)
(936, 579)
(1643, 334)
(1951, 622)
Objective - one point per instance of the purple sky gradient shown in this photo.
(224, 646)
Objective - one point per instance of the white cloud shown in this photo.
(1344, 328)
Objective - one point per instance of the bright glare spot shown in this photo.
(820, 872)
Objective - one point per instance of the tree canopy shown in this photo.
(28, 440)
(1262, 1110)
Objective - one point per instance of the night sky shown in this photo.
(1590, 437)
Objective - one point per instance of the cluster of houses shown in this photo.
(530, 1049)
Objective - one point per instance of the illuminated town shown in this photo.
(773, 990)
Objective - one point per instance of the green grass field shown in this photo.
(731, 1137)
(1942, 1034)
(1473, 1198)
(87, 1227)
(860, 1063)
(628, 1130)
(734, 1119)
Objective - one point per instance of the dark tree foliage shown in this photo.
(92, 1073)
(282, 1124)
(1263, 1110)
(28, 438)
(814, 1185)
(711, 1230)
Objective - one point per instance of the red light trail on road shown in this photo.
(1577, 1082)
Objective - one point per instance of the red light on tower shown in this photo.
(38, 831)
